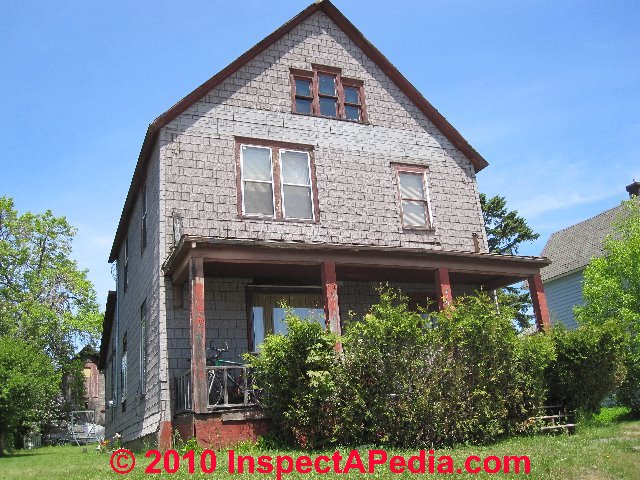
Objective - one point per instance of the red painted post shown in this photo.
(443, 288)
(198, 336)
(330, 293)
(539, 300)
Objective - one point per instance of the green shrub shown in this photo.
(28, 386)
(629, 392)
(459, 376)
(489, 388)
(297, 371)
(589, 365)
(381, 387)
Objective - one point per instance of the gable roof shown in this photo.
(355, 35)
(573, 248)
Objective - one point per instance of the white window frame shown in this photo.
(423, 172)
(242, 180)
(309, 185)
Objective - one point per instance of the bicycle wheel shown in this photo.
(215, 387)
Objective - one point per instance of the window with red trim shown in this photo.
(413, 196)
(276, 180)
(323, 91)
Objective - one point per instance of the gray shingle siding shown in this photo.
(563, 294)
(356, 185)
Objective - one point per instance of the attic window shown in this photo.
(324, 92)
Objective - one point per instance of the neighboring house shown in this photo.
(570, 251)
(308, 170)
(94, 388)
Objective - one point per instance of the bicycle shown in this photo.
(220, 380)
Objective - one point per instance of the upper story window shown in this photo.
(143, 222)
(276, 181)
(413, 197)
(125, 273)
(323, 91)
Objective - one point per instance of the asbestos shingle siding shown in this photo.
(356, 184)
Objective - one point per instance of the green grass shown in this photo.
(604, 447)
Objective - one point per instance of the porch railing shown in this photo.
(184, 397)
(230, 386)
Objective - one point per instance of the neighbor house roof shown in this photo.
(573, 248)
(107, 325)
(355, 35)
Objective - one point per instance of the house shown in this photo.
(308, 170)
(570, 251)
(93, 397)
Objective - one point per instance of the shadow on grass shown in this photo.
(19, 454)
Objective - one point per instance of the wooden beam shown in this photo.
(539, 301)
(330, 294)
(443, 288)
(198, 336)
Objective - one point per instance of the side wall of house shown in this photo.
(562, 295)
(142, 409)
(357, 187)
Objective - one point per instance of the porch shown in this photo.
(228, 291)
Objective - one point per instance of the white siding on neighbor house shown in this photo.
(562, 295)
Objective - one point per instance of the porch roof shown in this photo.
(259, 258)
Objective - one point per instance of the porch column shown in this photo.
(539, 301)
(443, 288)
(330, 294)
(198, 336)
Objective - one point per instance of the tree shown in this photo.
(45, 299)
(506, 231)
(611, 291)
(29, 385)
(46, 304)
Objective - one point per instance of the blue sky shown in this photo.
(548, 92)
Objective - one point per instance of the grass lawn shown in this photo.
(607, 447)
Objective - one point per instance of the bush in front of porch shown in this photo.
(405, 378)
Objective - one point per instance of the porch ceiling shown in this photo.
(300, 263)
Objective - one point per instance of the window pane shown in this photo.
(327, 84)
(414, 213)
(411, 186)
(303, 105)
(256, 163)
(295, 167)
(313, 315)
(258, 327)
(303, 87)
(352, 113)
(351, 95)
(297, 202)
(258, 198)
(328, 107)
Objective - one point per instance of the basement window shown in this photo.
(324, 92)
